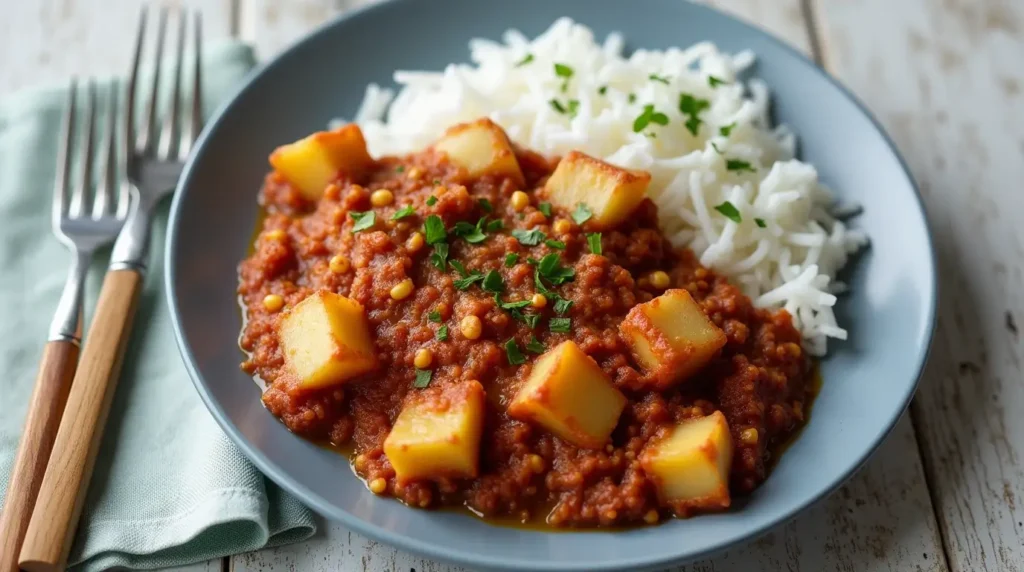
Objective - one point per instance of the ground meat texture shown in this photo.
(761, 381)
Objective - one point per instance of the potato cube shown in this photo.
(312, 163)
(437, 434)
(610, 192)
(690, 466)
(568, 394)
(671, 337)
(326, 340)
(482, 148)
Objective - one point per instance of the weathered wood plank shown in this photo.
(946, 80)
(49, 40)
(881, 520)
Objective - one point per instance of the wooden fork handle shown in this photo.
(62, 492)
(45, 407)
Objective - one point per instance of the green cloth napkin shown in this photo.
(169, 489)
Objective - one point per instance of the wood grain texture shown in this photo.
(881, 520)
(946, 79)
(56, 369)
(62, 492)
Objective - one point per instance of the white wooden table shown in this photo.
(946, 79)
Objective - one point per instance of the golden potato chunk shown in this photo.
(482, 148)
(311, 164)
(671, 337)
(437, 434)
(568, 394)
(326, 340)
(610, 192)
(690, 466)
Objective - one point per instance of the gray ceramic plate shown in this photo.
(868, 380)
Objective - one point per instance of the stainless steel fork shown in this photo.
(83, 224)
(156, 156)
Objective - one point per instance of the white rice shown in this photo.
(790, 263)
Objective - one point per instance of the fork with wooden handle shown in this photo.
(83, 224)
(155, 161)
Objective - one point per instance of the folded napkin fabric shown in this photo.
(169, 489)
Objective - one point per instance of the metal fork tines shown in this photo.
(158, 146)
(85, 218)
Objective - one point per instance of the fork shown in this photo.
(82, 227)
(155, 159)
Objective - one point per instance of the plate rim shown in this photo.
(446, 553)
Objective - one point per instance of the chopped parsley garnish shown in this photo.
(602, 90)
(399, 168)
(470, 233)
(422, 378)
(545, 209)
(531, 320)
(434, 316)
(364, 220)
(658, 78)
(431, 201)
(562, 70)
(648, 116)
(557, 244)
(725, 130)
(570, 108)
(510, 305)
(439, 258)
(692, 107)
(530, 237)
(458, 266)
(534, 346)
(715, 82)
(582, 213)
(552, 270)
(560, 325)
(442, 333)
(433, 228)
(562, 306)
(526, 59)
(729, 211)
(632, 98)
(403, 212)
(760, 223)
(465, 282)
(594, 241)
(493, 282)
(495, 225)
(513, 353)
(437, 182)
(510, 259)
(485, 205)
(739, 166)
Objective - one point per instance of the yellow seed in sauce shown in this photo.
(378, 485)
(273, 302)
(402, 290)
(276, 234)
(651, 517)
(520, 200)
(537, 464)
(659, 279)
(561, 226)
(749, 436)
(423, 359)
(415, 173)
(382, 198)
(471, 327)
(539, 301)
(339, 264)
(415, 242)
